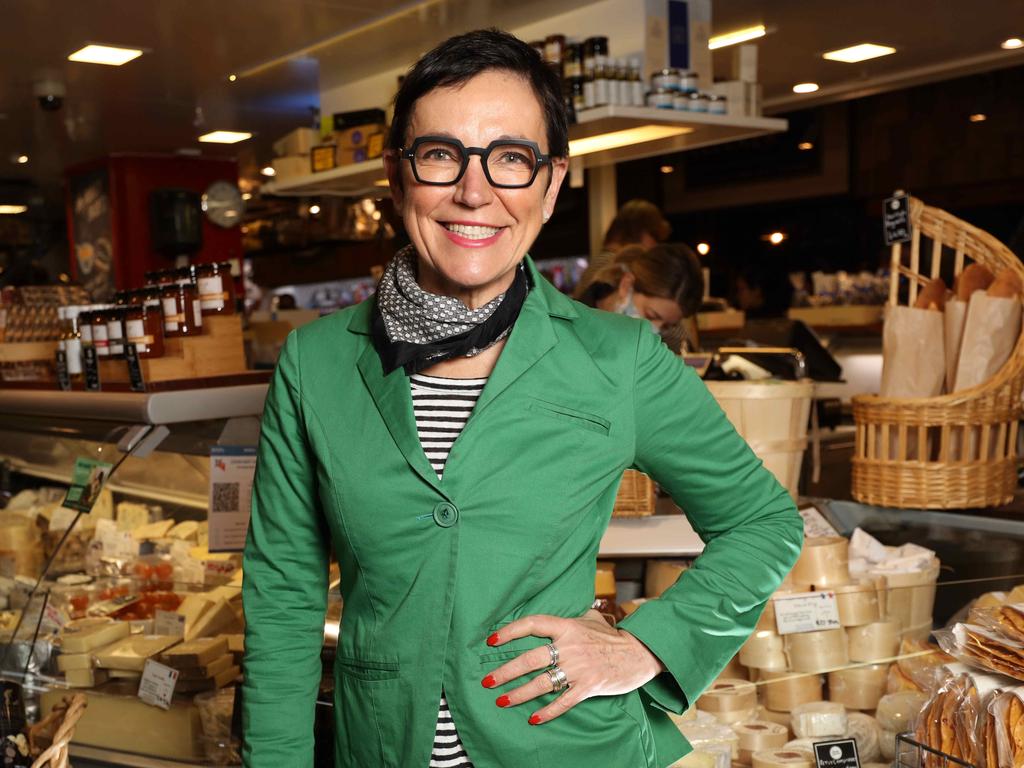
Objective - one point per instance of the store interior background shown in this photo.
(901, 121)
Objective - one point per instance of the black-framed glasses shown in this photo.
(442, 161)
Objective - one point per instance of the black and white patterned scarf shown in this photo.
(414, 329)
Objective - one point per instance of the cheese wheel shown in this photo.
(875, 641)
(824, 562)
(728, 695)
(858, 687)
(819, 719)
(784, 691)
(757, 735)
(764, 650)
(817, 651)
(857, 603)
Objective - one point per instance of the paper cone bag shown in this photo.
(913, 353)
(913, 365)
(954, 316)
(990, 334)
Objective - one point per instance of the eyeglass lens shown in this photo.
(510, 164)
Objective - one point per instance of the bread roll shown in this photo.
(975, 277)
(1006, 285)
(932, 296)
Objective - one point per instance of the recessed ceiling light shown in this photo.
(803, 146)
(776, 237)
(1012, 43)
(703, 249)
(667, 169)
(739, 36)
(805, 88)
(978, 117)
(268, 170)
(861, 52)
(314, 209)
(105, 54)
(232, 78)
(225, 137)
(12, 209)
(247, 195)
(21, 159)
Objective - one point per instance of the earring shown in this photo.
(546, 217)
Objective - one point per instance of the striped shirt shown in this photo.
(442, 407)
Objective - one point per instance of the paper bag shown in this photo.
(913, 353)
(913, 365)
(955, 315)
(990, 334)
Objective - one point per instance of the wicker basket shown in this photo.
(636, 495)
(964, 445)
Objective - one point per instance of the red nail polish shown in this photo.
(503, 701)
(534, 719)
(493, 639)
(488, 682)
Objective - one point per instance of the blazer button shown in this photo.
(446, 514)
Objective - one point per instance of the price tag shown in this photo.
(87, 481)
(841, 753)
(807, 612)
(63, 377)
(92, 368)
(131, 355)
(815, 524)
(896, 219)
(157, 684)
(168, 623)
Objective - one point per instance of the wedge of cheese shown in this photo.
(69, 661)
(212, 669)
(186, 529)
(130, 653)
(85, 678)
(157, 530)
(221, 619)
(195, 653)
(92, 637)
(192, 608)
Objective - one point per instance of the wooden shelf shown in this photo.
(360, 179)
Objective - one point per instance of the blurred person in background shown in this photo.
(762, 291)
(638, 222)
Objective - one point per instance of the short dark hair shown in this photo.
(461, 58)
(633, 220)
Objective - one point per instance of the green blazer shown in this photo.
(430, 568)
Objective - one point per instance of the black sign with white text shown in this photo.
(896, 219)
(92, 368)
(840, 753)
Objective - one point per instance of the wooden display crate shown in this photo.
(218, 352)
(27, 361)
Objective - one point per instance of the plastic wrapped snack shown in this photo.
(949, 721)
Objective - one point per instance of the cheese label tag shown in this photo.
(168, 623)
(815, 524)
(841, 753)
(806, 612)
(157, 684)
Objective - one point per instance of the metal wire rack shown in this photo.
(911, 753)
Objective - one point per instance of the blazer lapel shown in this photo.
(394, 402)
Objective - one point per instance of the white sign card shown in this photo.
(157, 684)
(806, 612)
(231, 474)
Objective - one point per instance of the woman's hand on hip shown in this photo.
(597, 659)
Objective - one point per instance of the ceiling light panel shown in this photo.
(739, 36)
(225, 137)
(105, 54)
(805, 88)
(12, 209)
(605, 141)
(861, 52)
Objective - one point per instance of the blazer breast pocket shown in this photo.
(576, 418)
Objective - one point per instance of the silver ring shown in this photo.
(559, 682)
(553, 651)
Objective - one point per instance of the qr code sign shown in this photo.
(225, 497)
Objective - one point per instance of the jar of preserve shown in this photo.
(660, 98)
(576, 92)
(698, 102)
(144, 325)
(681, 101)
(688, 82)
(665, 78)
(115, 331)
(717, 105)
(216, 288)
(182, 315)
(554, 45)
(100, 340)
(592, 48)
(85, 325)
(572, 61)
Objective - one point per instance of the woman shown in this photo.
(467, 546)
(638, 222)
(662, 285)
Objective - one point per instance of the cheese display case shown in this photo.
(845, 650)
